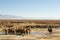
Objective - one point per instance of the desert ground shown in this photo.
(36, 34)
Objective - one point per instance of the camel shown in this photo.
(5, 30)
(10, 31)
(50, 29)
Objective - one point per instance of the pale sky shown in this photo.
(45, 9)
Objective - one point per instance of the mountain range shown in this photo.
(23, 18)
(11, 17)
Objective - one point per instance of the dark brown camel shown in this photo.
(50, 29)
(10, 31)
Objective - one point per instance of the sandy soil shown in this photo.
(44, 35)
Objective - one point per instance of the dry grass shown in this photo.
(48, 36)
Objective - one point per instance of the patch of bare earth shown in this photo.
(54, 36)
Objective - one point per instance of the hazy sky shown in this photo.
(49, 9)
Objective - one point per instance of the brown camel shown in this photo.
(5, 30)
(50, 29)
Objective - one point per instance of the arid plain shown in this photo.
(39, 29)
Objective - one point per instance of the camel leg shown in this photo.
(14, 32)
(28, 32)
(7, 32)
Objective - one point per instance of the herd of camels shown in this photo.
(18, 31)
(22, 30)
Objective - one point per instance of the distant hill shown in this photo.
(23, 18)
(11, 17)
